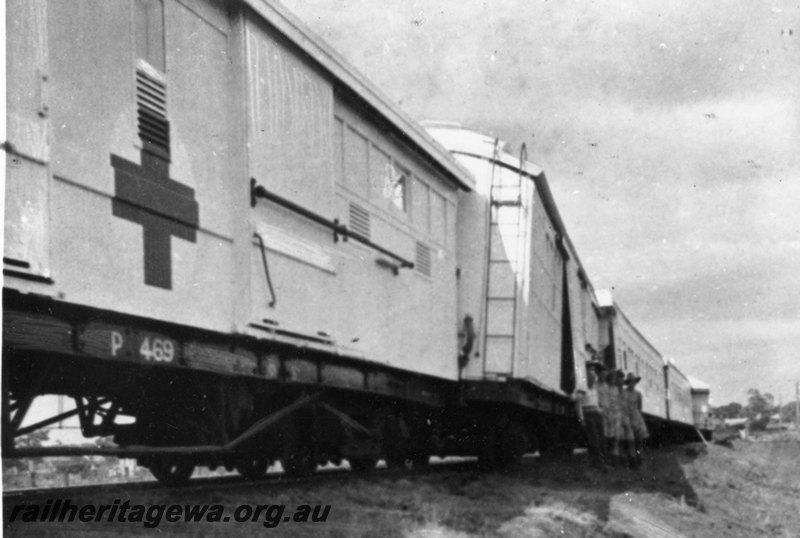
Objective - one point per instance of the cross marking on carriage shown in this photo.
(146, 195)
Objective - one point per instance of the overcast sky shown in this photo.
(670, 135)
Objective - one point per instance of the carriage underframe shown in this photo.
(244, 403)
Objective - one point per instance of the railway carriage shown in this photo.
(680, 398)
(668, 405)
(522, 286)
(627, 349)
(228, 248)
(202, 199)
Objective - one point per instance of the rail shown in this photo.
(259, 191)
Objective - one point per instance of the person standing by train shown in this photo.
(626, 437)
(590, 416)
(613, 415)
(602, 400)
(633, 405)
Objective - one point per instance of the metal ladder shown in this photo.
(506, 253)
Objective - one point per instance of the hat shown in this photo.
(632, 379)
(595, 364)
(618, 373)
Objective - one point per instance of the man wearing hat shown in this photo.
(590, 415)
(603, 389)
(633, 407)
(613, 415)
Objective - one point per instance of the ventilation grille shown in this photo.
(423, 263)
(151, 104)
(359, 220)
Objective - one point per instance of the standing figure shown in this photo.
(633, 404)
(626, 437)
(602, 400)
(590, 415)
(613, 414)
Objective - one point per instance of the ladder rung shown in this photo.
(501, 298)
(500, 203)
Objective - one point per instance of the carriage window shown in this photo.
(149, 22)
(398, 189)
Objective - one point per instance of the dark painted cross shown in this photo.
(145, 194)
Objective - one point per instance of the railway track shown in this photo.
(273, 480)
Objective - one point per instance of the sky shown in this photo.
(669, 133)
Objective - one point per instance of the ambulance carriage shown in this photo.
(526, 305)
(221, 242)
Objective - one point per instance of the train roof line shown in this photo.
(342, 71)
(698, 385)
(480, 146)
(614, 308)
(671, 364)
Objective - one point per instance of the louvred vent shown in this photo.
(423, 261)
(359, 220)
(151, 104)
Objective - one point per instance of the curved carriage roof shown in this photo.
(469, 143)
(350, 79)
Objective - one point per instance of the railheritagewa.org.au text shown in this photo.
(153, 515)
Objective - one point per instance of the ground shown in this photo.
(751, 488)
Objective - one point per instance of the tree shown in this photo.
(732, 410)
(29, 440)
(32, 440)
(787, 412)
(72, 465)
(760, 407)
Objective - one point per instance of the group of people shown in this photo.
(610, 409)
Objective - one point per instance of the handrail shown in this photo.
(259, 191)
(266, 269)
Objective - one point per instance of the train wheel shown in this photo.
(512, 443)
(395, 441)
(487, 455)
(502, 448)
(556, 449)
(252, 467)
(300, 462)
(399, 462)
(171, 471)
(362, 464)
(420, 460)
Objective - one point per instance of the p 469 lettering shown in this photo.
(157, 349)
(148, 347)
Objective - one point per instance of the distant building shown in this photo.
(742, 425)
